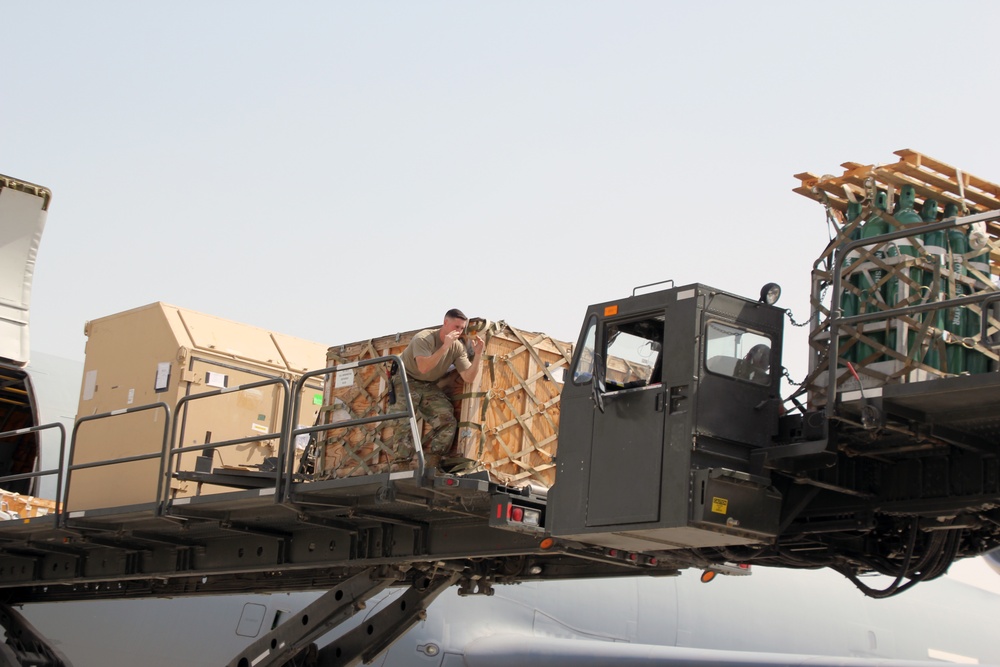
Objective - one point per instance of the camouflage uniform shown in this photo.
(430, 401)
(431, 404)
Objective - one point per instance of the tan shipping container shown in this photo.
(161, 353)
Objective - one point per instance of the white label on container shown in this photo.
(162, 376)
(89, 385)
(131, 396)
(260, 428)
(219, 380)
(301, 440)
(344, 378)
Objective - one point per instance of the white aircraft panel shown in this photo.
(21, 222)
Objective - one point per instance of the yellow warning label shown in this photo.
(720, 505)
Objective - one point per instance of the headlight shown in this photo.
(770, 293)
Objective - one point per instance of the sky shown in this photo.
(341, 171)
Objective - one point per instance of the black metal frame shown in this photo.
(836, 321)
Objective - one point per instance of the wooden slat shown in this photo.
(985, 201)
(929, 178)
(950, 171)
(922, 190)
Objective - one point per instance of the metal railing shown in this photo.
(174, 452)
(347, 423)
(836, 320)
(38, 474)
(110, 462)
(170, 452)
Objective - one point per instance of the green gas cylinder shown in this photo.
(958, 246)
(871, 292)
(905, 214)
(976, 362)
(934, 246)
(849, 301)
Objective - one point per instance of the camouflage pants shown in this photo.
(431, 404)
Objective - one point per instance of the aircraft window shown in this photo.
(738, 353)
(584, 370)
(633, 353)
(251, 619)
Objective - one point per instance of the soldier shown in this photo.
(428, 359)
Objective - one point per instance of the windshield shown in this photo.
(738, 353)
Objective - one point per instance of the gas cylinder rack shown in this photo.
(869, 200)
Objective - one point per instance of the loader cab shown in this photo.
(669, 394)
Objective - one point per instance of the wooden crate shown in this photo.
(931, 179)
(356, 393)
(510, 414)
(508, 417)
(14, 505)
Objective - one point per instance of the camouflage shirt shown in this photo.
(426, 343)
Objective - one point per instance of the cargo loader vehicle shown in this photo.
(675, 450)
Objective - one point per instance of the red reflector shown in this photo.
(449, 482)
(499, 511)
(633, 557)
(653, 561)
(612, 552)
(517, 514)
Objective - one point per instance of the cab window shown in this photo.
(583, 372)
(633, 353)
(737, 353)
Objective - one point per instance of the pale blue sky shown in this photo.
(338, 171)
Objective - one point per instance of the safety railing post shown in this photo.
(71, 467)
(409, 415)
(173, 451)
(57, 471)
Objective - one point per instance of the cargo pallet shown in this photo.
(898, 346)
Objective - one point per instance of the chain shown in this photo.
(785, 374)
(788, 311)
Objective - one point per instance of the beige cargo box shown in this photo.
(161, 353)
(508, 417)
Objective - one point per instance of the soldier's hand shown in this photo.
(451, 337)
(478, 344)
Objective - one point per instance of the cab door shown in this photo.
(627, 434)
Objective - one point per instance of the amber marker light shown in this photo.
(547, 543)
(610, 310)
(707, 576)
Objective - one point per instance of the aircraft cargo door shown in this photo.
(22, 218)
(628, 433)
